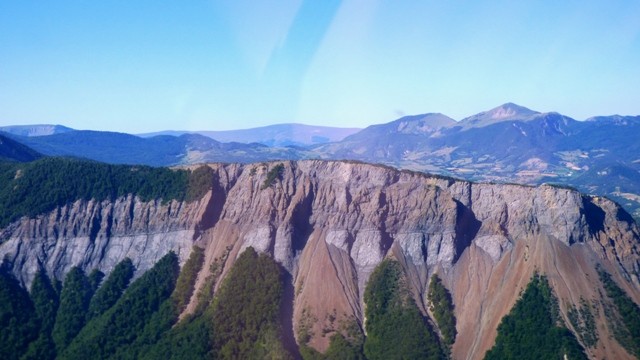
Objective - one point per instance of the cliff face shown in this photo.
(330, 223)
(98, 235)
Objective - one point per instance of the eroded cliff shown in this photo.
(331, 223)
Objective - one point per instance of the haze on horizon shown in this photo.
(216, 65)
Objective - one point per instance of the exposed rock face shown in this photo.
(330, 223)
(98, 235)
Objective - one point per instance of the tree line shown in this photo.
(31, 189)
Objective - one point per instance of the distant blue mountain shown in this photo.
(278, 135)
(509, 143)
(163, 150)
(12, 150)
(35, 130)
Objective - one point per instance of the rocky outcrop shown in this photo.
(330, 223)
(98, 235)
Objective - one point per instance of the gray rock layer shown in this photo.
(98, 235)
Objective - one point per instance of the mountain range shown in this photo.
(230, 253)
(510, 143)
(278, 135)
(161, 150)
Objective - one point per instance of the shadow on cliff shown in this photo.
(300, 222)
(594, 215)
(286, 315)
(386, 241)
(467, 227)
(214, 208)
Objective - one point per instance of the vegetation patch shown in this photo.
(345, 344)
(348, 342)
(187, 279)
(623, 316)
(110, 292)
(583, 322)
(395, 327)
(247, 309)
(199, 183)
(114, 331)
(18, 325)
(533, 329)
(241, 321)
(74, 304)
(441, 305)
(274, 174)
(45, 299)
(305, 332)
(189, 339)
(31, 189)
(205, 295)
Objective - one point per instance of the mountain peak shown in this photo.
(429, 121)
(422, 124)
(504, 112)
(510, 110)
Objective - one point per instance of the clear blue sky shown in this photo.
(138, 66)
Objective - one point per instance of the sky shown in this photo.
(142, 66)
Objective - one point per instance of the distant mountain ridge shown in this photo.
(505, 112)
(274, 135)
(35, 130)
(509, 143)
(162, 150)
(330, 228)
(413, 124)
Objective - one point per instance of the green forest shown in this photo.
(111, 318)
(441, 306)
(118, 320)
(30, 189)
(533, 329)
(395, 327)
(622, 313)
(116, 317)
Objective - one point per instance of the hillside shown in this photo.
(12, 150)
(330, 226)
(164, 150)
